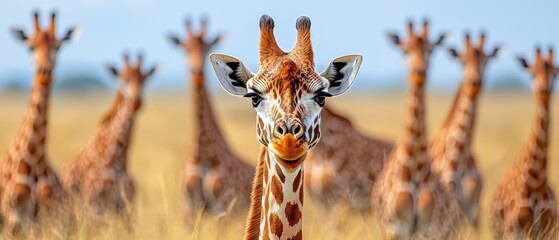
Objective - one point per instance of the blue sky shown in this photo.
(341, 27)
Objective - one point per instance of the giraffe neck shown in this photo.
(536, 152)
(277, 202)
(414, 141)
(109, 115)
(30, 144)
(120, 131)
(461, 119)
(207, 133)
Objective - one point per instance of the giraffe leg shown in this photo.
(193, 198)
(213, 192)
(525, 220)
(405, 215)
(548, 224)
(471, 188)
(19, 210)
(425, 206)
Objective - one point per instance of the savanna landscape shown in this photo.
(161, 141)
(155, 148)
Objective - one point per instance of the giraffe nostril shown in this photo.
(297, 130)
(280, 130)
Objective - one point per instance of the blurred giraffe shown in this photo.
(408, 198)
(345, 163)
(98, 173)
(451, 154)
(288, 96)
(214, 177)
(524, 205)
(28, 183)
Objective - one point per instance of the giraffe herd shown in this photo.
(415, 187)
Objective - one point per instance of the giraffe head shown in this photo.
(196, 45)
(286, 92)
(418, 49)
(474, 60)
(43, 43)
(131, 80)
(544, 72)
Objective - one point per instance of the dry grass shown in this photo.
(161, 142)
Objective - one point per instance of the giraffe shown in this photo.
(409, 200)
(288, 95)
(524, 206)
(214, 176)
(28, 183)
(345, 163)
(97, 174)
(451, 154)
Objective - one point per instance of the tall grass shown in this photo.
(161, 141)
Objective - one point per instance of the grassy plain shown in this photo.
(161, 142)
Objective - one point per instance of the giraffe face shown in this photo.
(288, 106)
(196, 45)
(286, 93)
(474, 60)
(544, 73)
(131, 80)
(44, 44)
(418, 49)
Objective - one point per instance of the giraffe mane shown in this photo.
(112, 111)
(450, 116)
(254, 216)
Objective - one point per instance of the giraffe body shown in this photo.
(451, 152)
(524, 205)
(29, 186)
(408, 198)
(344, 164)
(214, 177)
(97, 174)
(288, 96)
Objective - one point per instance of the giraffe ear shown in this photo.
(231, 73)
(523, 62)
(71, 34)
(496, 51)
(151, 71)
(394, 38)
(19, 34)
(453, 53)
(174, 39)
(442, 38)
(342, 72)
(112, 69)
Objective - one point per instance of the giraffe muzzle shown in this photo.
(289, 144)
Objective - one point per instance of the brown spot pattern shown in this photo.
(298, 236)
(280, 173)
(297, 181)
(276, 189)
(276, 226)
(292, 213)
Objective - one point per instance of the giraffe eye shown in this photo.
(256, 99)
(320, 98)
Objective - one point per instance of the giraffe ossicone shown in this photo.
(288, 95)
